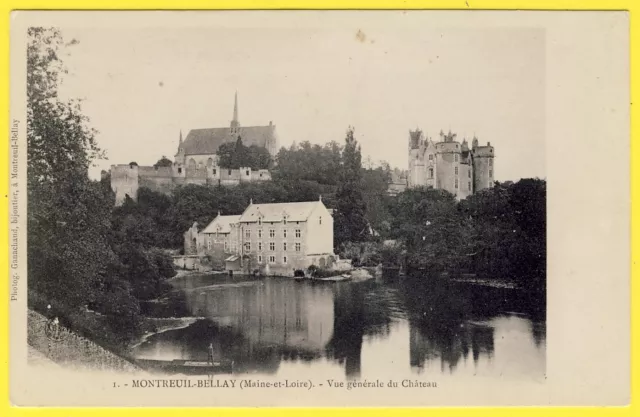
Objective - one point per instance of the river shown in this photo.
(379, 328)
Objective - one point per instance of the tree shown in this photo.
(163, 162)
(350, 221)
(236, 155)
(69, 230)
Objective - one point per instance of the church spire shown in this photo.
(180, 142)
(235, 123)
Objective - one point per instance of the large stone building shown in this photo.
(275, 239)
(196, 161)
(449, 164)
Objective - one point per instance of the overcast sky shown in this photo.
(141, 85)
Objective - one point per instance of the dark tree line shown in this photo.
(76, 258)
(237, 155)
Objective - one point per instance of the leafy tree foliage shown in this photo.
(163, 162)
(350, 219)
(75, 257)
(237, 155)
(307, 162)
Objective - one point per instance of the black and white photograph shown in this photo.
(310, 208)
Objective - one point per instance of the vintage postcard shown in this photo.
(319, 208)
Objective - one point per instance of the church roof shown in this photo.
(275, 212)
(221, 224)
(207, 141)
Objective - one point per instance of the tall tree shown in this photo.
(350, 221)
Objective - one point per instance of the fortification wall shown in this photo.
(124, 181)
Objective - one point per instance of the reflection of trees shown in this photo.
(358, 311)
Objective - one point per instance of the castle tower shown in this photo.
(483, 169)
(448, 167)
(235, 124)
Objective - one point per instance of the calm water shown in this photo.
(357, 330)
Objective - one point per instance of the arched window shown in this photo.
(210, 162)
(192, 164)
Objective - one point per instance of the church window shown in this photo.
(456, 170)
(430, 172)
(210, 162)
(456, 183)
(192, 164)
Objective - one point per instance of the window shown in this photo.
(247, 234)
(247, 172)
(226, 246)
(247, 247)
(284, 246)
(260, 223)
(284, 260)
(260, 246)
(430, 172)
(469, 174)
(284, 233)
(298, 233)
(209, 244)
(229, 172)
(320, 220)
(179, 170)
(490, 173)
(456, 169)
(272, 259)
(260, 233)
(214, 171)
(456, 183)
(272, 233)
(456, 157)
(284, 220)
(469, 185)
(297, 246)
(430, 157)
(259, 259)
(272, 246)
(490, 162)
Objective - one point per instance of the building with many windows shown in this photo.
(274, 239)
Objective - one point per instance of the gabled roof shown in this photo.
(275, 212)
(207, 141)
(221, 224)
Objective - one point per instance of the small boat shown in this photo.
(337, 278)
(193, 367)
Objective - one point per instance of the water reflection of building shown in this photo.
(448, 345)
(273, 313)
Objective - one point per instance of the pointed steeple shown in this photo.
(235, 123)
(180, 142)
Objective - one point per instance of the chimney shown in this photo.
(488, 143)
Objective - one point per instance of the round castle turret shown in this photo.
(483, 157)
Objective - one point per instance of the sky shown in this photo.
(313, 78)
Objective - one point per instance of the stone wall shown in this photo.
(68, 349)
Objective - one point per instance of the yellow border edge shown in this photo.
(629, 5)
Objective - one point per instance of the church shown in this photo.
(196, 161)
